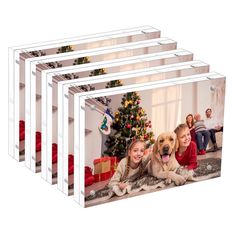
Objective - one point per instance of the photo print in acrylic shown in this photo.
(144, 141)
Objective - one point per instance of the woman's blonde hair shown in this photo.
(134, 141)
(180, 127)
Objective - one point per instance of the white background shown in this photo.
(30, 206)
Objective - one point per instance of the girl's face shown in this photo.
(137, 152)
(184, 137)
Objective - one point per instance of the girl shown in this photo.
(190, 124)
(186, 154)
(129, 167)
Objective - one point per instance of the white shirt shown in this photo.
(211, 123)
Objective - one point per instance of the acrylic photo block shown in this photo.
(148, 112)
(33, 77)
(19, 54)
(90, 69)
(66, 109)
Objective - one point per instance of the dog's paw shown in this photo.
(168, 181)
(179, 180)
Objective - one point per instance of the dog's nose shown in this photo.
(165, 149)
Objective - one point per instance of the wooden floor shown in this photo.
(216, 154)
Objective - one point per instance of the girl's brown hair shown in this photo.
(192, 122)
(134, 141)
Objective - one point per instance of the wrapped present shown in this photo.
(38, 141)
(21, 130)
(104, 168)
(54, 153)
(70, 164)
(89, 178)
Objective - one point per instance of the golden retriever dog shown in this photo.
(163, 164)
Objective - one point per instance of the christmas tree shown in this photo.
(104, 100)
(54, 65)
(96, 72)
(114, 83)
(130, 123)
(64, 49)
(70, 76)
(38, 53)
(81, 60)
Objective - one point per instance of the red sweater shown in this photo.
(189, 157)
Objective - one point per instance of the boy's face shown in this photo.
(137, 152)
(184, 137)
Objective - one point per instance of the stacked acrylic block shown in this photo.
(76, 104)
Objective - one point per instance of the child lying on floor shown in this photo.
(130, 167)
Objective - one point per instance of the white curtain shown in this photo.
(166, 109)
(217, 99)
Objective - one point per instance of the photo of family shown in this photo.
(153, 139)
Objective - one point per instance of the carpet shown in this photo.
(207, 169)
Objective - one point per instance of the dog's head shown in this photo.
(165, 146)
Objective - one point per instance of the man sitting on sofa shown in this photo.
(213, 127)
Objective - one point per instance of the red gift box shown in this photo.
(38, 141)
(70, 164)
(104, 168)
(21, 130)
(105, 176)
(89, 178)
(54, 153)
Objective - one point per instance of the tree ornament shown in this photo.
(128, 102)
(128, 126)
